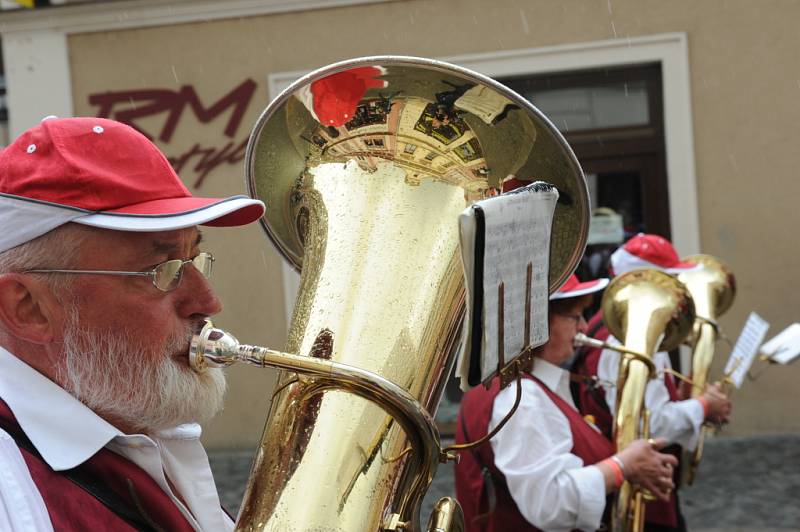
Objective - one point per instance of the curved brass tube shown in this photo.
(583, 340)
(366, 165)
(447, 516)
(214, 347)
(647, 310)
(713, 289)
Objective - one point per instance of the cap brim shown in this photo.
(178, 213)
(582, 289)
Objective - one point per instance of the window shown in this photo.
(613, 120)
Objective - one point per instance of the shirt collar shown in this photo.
(548, 373)
(64, 431)
(553, 377)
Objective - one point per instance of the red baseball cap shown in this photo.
(104, 174)
(333, 100)
(648, 251)
(574, 288)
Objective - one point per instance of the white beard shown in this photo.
(145, 388)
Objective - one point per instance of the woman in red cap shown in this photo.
(548, 468)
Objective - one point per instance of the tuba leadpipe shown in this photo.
(647, 310)
(713, 288)
(213, 347)
(581, 340)
(366, 165)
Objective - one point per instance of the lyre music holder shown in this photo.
(508, 373)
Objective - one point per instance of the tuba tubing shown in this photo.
(366, 165)
(581, 340)
(647, 310)
(213, 347)
(713, 289)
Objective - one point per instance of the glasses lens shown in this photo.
(168, 275)
(203, 264)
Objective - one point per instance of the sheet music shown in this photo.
(484, 102)
(785, 346)
(517, 232)
(746, 348)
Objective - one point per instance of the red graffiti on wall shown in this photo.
(128, 106)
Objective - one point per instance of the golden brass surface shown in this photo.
(713, 289)
(447, 516)
(581, 339)
(365, 166)
(648, 311)
(215, 347)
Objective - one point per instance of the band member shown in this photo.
(102, 283)
(547, 468)
(677, 421)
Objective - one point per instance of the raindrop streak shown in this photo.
(175, 74)
(614, 29)
(525, 27)
(610, 11)
(733, 161)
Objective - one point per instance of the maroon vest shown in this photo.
(480, 486)
(118, 481)
(591, 401)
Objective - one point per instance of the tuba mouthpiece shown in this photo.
(583, 340)
(212, 348)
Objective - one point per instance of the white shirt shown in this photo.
(67, 433)
(677, 421)
(550, 485)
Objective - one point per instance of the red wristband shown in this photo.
(704, 402)
(619, 477)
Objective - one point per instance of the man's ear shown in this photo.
(28, 308)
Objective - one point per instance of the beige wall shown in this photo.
(744, 85)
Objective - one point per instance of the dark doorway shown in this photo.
(613, 119)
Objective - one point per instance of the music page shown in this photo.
(513, 231)
(746, 348)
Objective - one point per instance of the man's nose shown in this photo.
(582, 325)
(197, 295)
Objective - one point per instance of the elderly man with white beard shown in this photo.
(102, 284)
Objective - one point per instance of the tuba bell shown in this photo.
(365, 166)
(648, 311)
(713, 288)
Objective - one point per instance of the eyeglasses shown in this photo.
(166, 276)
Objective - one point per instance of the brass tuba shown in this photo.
(365, 166)
(648, 311)
(713, 288)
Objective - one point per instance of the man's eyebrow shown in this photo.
(173, 247)
(165, 247)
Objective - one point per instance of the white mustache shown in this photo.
(118, 375)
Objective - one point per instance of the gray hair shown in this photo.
(59, 248)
